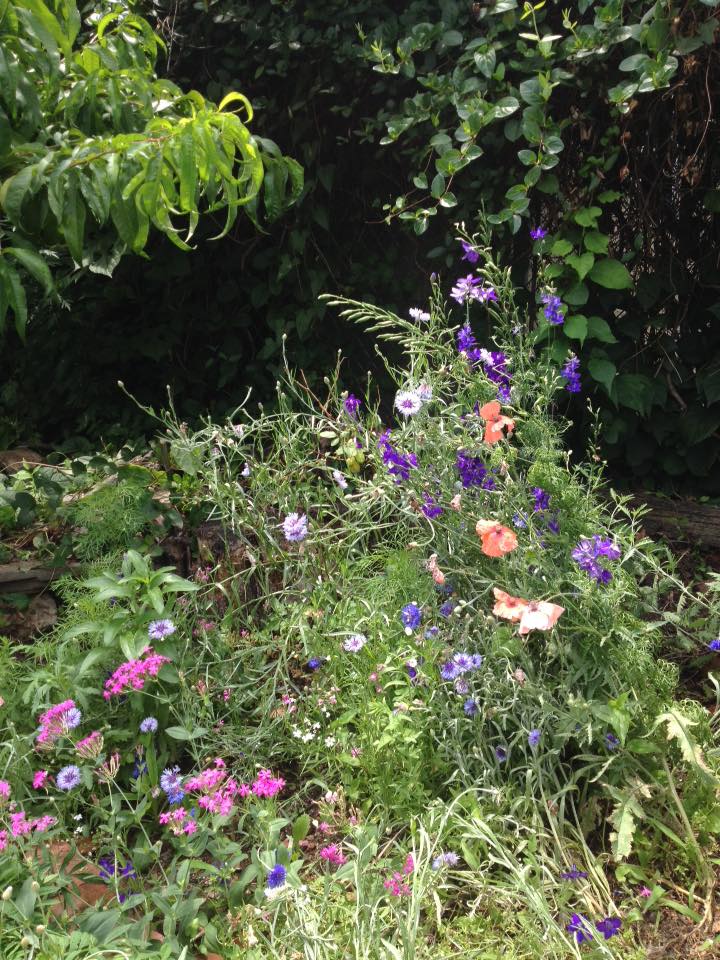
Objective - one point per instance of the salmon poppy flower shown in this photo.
(432, 567)
(495, 422)
(507, 607)
(497, 540)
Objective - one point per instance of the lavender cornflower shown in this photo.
(355, 642)
(398, 464)
(714, 645)
(72, 718)
(571, 373)
(446, 608)
(295, 527)
(538, 233)
(276, 877)
(470, 707)
(314, 663)
(408, 403)
(171, 783)
(580, 928)
(159, 629)
(574, 874)
(519, 521)
(469, 253)
(609, 926)
(533, 739)
(500, 754)
(339, 479)
(351, 405)
(420, 316)
(611, 741)
(448, 859)
(465, 288)
(68, 778)
(553, 309)
(541, 498)
(411, 617)
(149, 725)
(462, 687)
(473, 472)
(430, 508)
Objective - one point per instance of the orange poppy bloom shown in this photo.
(495, 422)
(540, 615)
(507, 607)
(497, 540)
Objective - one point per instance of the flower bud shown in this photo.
(7, 893)
(35, 886)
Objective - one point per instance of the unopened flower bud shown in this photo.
(40, 928)
(7, 893)
(35, 886)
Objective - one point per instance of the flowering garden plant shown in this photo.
(423, 669)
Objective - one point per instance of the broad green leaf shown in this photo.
(581, 264)
(599, 329)
(561, 248)
(603, 371)
(678, 728)
(576, 327)
(611, 274)
(596, 242)
(624, 819)
(34, 264)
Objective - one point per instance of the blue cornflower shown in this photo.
(447, 608)
(470, 707)
(580, 928)
(276, 877)
(171, 783)
(500, 754)
(714, 645)
(611, 741)
(571, 373)
(448, 859)
(534, 738)
(72, 718)
(553, 309)
(68, 778)
(295, 527)
(314, 663)
(149, 725)
(449, 671)
(411, 617)
(159, 629)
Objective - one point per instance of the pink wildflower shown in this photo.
(39, 779)
(56, 722)
(645, 892)
(266, 785)
(397, 886)
(409, 864)
(4, 789)
(333, 854)
(132, 674)
(3, 839)
(91, 747)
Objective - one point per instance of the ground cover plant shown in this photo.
(408, 697)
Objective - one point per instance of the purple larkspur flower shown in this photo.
(553, 524)
(611, 741)
(470, 707)
(574, 874)
(579, 927)
(465, 288)
(106, 868)
(571, 373)
(430, 507)
(276, 877)
(351, 405)
(541, 499)
(553, 311)
(408, 403)
(533, 738)
(609, 927)
(411, 616)
(538, 233)
(149, 725)
(714, 645)
(465, 339)
(399, 465)
(159, 629)
(473, 472)
(469, 252)
(446, 608)
(519, 521)
(588, 552)
(68, 778)
(295, 527)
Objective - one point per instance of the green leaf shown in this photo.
(301, 828)
(34, 264)
(561, 248)
(581, 264)
(576, 327)
(603, 371)
(624, 819)
(437, 187)
(599, 329)
(596, 242)
(577, 295)
(636, 391)
(587, 216)
(678, 728)
(611, 274)
(13, 296)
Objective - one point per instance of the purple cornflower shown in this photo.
(571, 373)
(448, 859)
(171, 783)
(470, 707)
(418, 315)
(351, 405)
(149, 725)
(469, 254)
(519, 521)
(398, 464)
(449, 671)
(533, 738)
(72, 718)
(68, 778)
(276, 877)
(473, 472)
(459, 664)
(574, 874)
(609, 926)
(541, 499)
(432, 632)
(611, 741)
(314, 663)
(411, 617)
(295, 527)
(339, 479)
(553, 309)
(580, 928)
(446, 608)
(714, 645)
(466, 288)
(159, 629)
(538, 233)
(430, 508)
(500, 754)
(355, 642)
(408, 402)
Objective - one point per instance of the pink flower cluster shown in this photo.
(91, 747)
(397, 884)
(40, 779)
(333, 854)
(53, 723)
(4, 790)
(219, 790)
(20, 825)
(179, 821)
(266, 785)
(132, 674)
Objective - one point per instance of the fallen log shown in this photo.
(24, 576)
(686, 521)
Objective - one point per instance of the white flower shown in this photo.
(425, 392)
(245, 472)
(407, 402)
(339, 479)
(355, 642)
(330, 741)
(420, 316)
